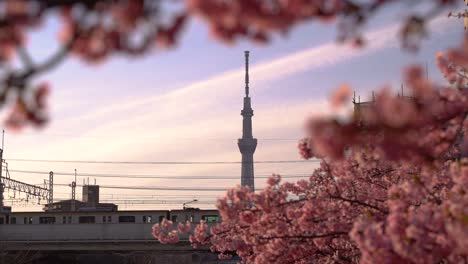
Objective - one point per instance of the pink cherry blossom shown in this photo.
(392, 187)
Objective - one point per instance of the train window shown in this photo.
(64, 220)
(161, 217)
(210, 218)
(2, 220)
(127, 219)
(86, 219)
(147, 219)
(189, 218)
(104, 218)
(28, 220)
(47, 220)
(69, 219)
(174, 218)
(13, 220)
(109, 219)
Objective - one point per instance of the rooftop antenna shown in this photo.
(427, 73)
(246, 73)
(402, 95)
(354, 97)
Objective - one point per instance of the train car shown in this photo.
(90, 219)
(95, 225)
(87, 217)
(118, 217)
(194, 215)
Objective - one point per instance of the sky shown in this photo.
(184, 104)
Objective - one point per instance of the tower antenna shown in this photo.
(246, 73)
(427, 73)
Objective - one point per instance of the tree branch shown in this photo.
(359, 203)
(24, 56)
(334, 234)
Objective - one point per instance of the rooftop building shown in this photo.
(90, 203)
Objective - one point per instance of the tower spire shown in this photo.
(247, 144)
(246, 73)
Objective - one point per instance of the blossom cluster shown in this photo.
(392, 186)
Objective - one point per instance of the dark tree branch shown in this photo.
(315, 236)
(58, 57)
(361, 203)
(24, 56)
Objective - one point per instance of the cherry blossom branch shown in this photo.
(315, 236)
(19, 79)
(25, 56)
(361, 203)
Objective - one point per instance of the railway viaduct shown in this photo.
(93, 244)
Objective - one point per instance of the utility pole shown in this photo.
(51, 187)
(2, 185)
(73, 185)
(1, 180)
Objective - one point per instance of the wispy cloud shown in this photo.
(228, 84)
(187, 110)
(151, 128)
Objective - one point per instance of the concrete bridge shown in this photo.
(96, 243)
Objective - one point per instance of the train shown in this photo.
(118, 217)
(94, 225)
(89, 219)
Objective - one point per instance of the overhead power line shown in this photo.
(161, 188)
(137, 201)
(66, 195)
(152, 138)
(137, 176)
(163, 162)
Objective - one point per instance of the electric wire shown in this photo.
(159, 188)
(163, 162)
(151, 138)
(139, 176)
